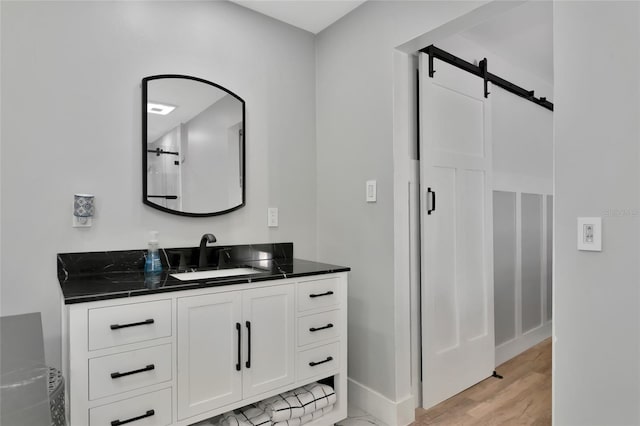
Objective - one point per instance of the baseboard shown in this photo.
(392, 413)
(515, 347)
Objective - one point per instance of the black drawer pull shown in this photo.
(128, 373)
(133, 324)
(239, 330)
(149, 413)
(313, 364)
(312, 329)
(248, 363)
(329, 293)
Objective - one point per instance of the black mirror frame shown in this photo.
(145, 199)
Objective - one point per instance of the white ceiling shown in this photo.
(310, 15)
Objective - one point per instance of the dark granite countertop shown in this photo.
(87, 277)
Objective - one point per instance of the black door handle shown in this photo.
(313, 364)
(132, 324)
(117, 374)
(239, 330)
(312, 329)
(119, 422)
(328, 293)
(248, 363)
(433, 201)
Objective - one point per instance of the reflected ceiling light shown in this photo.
(160, 109)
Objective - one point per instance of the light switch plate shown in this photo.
(590, 233)
(372, 195)
(272, 217)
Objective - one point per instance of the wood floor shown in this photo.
(523, 397)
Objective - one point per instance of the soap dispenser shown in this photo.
(152, 264)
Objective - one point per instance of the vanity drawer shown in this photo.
(112, 374)
(320, 360)
(318, 294)
(151, 409)
(123, 324)
(318, 327)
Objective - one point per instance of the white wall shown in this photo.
(522, 131)
(523, 167)
(355, 132)
(597, 171)
(71, 75)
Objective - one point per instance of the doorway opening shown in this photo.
(517, 181)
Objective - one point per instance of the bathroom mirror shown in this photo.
(192, 146)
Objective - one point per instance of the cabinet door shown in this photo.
(269, 346)
(209, 375)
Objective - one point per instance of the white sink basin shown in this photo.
(218, 273)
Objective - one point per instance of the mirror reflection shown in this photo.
(193, 146)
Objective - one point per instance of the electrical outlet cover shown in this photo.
(589, 233)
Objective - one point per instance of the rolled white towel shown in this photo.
(306, 418)
(248, 416)
(298, 402)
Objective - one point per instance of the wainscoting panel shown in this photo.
(549, 255)
(523, 235)
(504, 264)
(531, 261)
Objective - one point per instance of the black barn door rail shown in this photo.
(482, 72)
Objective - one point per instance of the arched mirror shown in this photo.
(192, 146)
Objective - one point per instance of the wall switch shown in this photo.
(590, 233)
(272, 217)
(372, 195)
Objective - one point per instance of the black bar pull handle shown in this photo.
(132, 324)
(117, 374)
(328, 293)
(312, 329)
(248, 363)
(167, 197)
(432, 207)
(313, 364)
(239, 330)
(118, 422)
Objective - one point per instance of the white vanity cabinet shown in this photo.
(176, 358)
(233, 345)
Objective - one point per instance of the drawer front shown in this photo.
(123, 324)
(112, 374)
(151, 409)
(320, 360)
(318, 294)
(318, 327)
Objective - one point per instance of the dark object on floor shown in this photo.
(56, 397)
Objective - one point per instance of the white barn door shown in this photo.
(458, 348)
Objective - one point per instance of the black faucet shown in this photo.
(206, 238)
